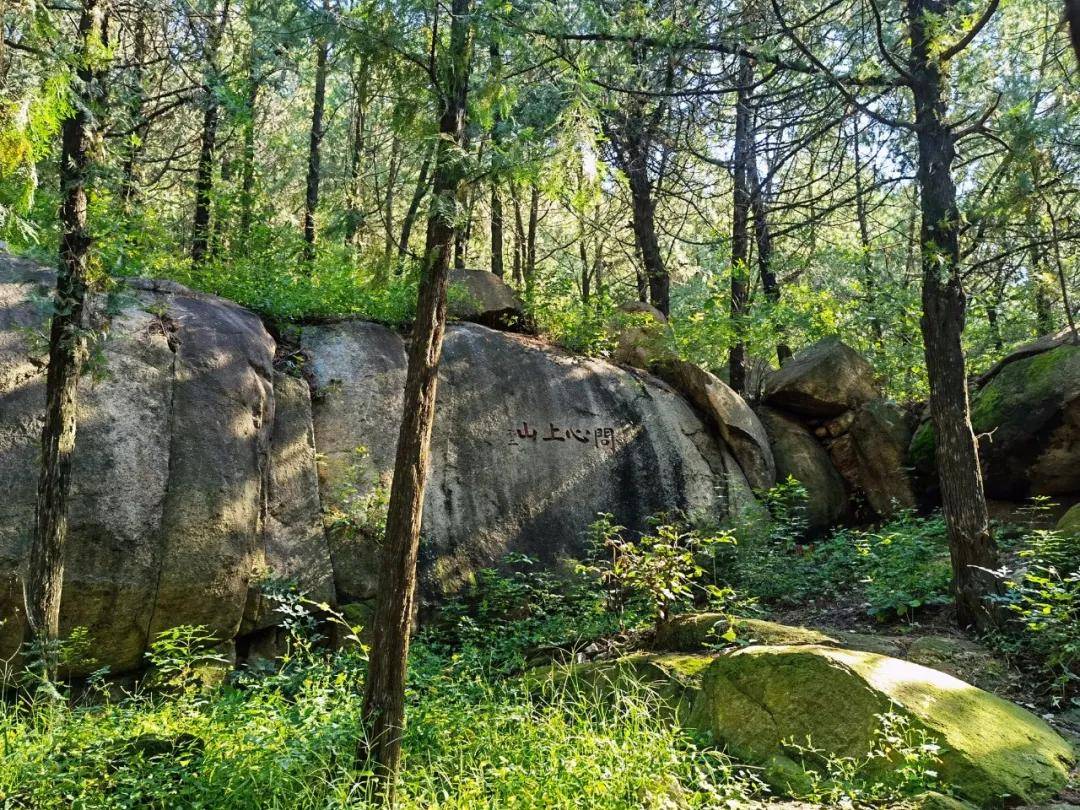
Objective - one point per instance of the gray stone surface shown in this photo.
(496, 485)
(799, 455)
(822, 380)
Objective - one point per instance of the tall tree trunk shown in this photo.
(247, 169)
(519, 238)
(529, 269)
(770, 284)
(356, 158)
(204, 173)
(583, 254)
(314, 170)
(384, 700)
(869, 280)
(67, 341)
(497, 266)
(129, 171)
(460, 238)
(971, 545)
(1055, 241)
(740, 237)
(414, 205)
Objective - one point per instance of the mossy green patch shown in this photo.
(700, 631)
(757, 699)
(1070, 522)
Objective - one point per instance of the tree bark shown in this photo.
(384, 699)
(314, 170)
(204, 173)
(247, 169)
(770, 284)
(944, 301)
(67, 340)
(414, 206)
(740, 238)
(529, 269)
(356, 158)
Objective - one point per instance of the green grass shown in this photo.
(286, 740)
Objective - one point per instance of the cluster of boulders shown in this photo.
(821, 420)
(214, 464)
(832, 430)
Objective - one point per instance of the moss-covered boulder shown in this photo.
(759, 699)
(673, 680)
(1027, 413)
(1070, 521)
(694, 632)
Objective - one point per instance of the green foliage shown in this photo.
(666, 568)
(179, 655)
(1044, 596)
(285, 738)
(901, 765)
(895, 570)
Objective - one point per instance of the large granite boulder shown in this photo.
(173, 517)
(1027, 416)
(728, 412)
(800, 456)
(757, 700)
(872, 456)
(483, 297)
(822, 380)
(529, 445)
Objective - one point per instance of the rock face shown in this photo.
(822, 380)
(993, 752)
(872, 456)
(799, 455)
(1070, 521)
(529, 445)
(174, 513)
(736, 423)
(1027, 414)
(483, 297)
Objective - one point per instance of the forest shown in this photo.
(539, 404)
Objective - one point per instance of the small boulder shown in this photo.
(823, 380)
(992, 751)
(1070, 522)
(484, 298)
(728, 412)
(879, 436)
(641, 335)
(799, 455)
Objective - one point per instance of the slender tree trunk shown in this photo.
(247, 169)
(129, 171)
(204, 173)
(971, 545)
(393, 170)
(869, 281)
(384, 700)
(497, 266)
(414, 205)
(519, 238)
(1056, 242)
(67, 341)
(314, 171)
(530, 237)
(356, 158)
(460, 236)
(740, 238)
(583, 254)
(770, 284)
